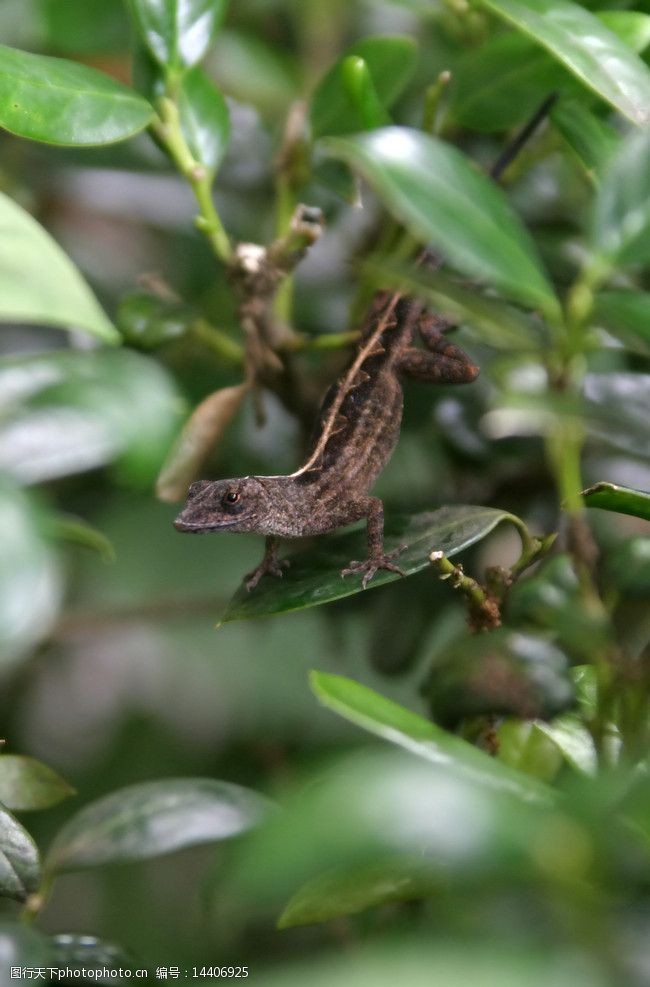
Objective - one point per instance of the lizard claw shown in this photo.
(368, 568)
(273, 566)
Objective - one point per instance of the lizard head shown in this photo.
(224, 505)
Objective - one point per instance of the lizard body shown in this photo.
(358, 428)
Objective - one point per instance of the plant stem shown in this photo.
(167, 128)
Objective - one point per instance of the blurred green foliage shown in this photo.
(463, 793)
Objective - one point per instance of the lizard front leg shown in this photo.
(444, 363)
(270, 563)
(373, 509)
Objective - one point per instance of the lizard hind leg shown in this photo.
(377, 559)
(442, 362)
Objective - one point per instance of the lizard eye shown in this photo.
(231, 498)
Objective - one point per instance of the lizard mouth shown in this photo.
(199, 528)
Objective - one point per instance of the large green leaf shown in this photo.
(588, 48)
(204, 119)
(61, 102)
(314, 576)
(29, 784)
(400, 726)
(389, 63)
(178, 32)
(591, 139)
(441, 198)
(623, 500)
(154, 818)
(621, 221)
(30, 579)
(347, 892)
(20, 871)
(39, 284)
(69, 412)
(626, 314)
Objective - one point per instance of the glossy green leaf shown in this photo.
(205, 119)
(339, 893)
(178, 32)
(30, 579)
(620, 229)
(492, 321)
(587, 47)
(39, 284)
(69, 412)
(357, 90)
(20, 870)
(400, 726)
(314, 576)
(631, 26)
(60, 102)
(443, 200)
(22, 947)
(29, 784)
(153, 818)
(623, 500)
(481, 91)
(626, 314)
(147, 321)
(591, 139)
(485, 79)
(573, 741)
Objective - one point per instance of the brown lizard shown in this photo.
(358, 428)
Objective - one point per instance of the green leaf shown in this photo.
(493, 322)
(178, 32)
(39, 284)
(20, 871)
(591, 139)
(628, 568)
(626, 314)
(631, 26)
(22, 947)
(29, 784)
(78, 532)
(482, 86)
(573, 741)
(587, 47)
(348, 892)
(205, 119)
(69, 412)
(60, 102)
(30, 579)
(623, 500)
(154, 818)
(400, 726)
(314, 576)
(621, 222)
(442, 199)
(362, 85)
